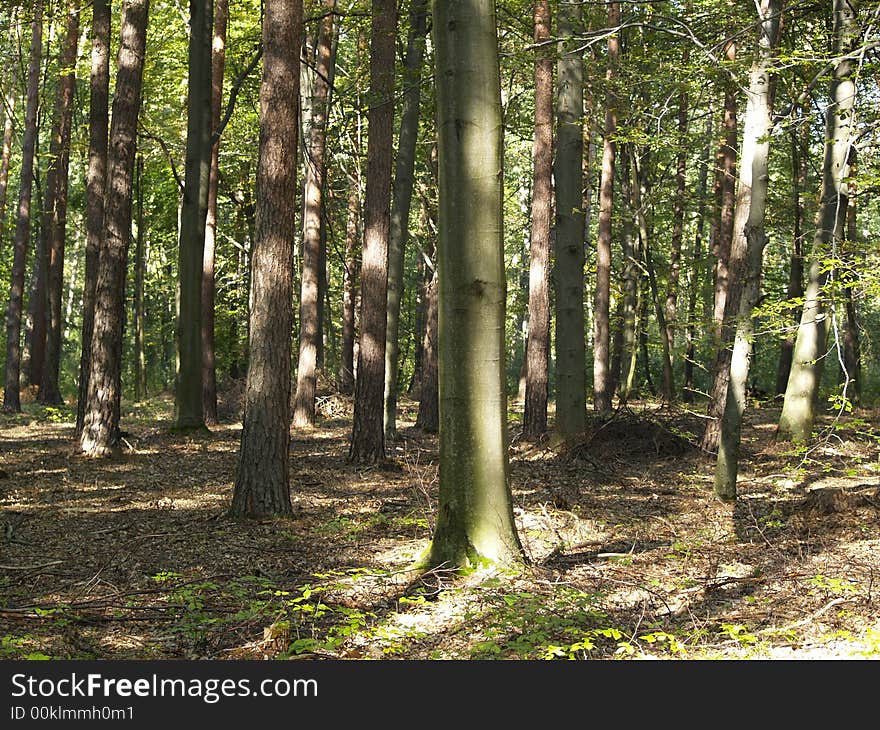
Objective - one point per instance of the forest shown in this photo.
(464, 329)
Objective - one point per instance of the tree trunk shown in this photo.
(851, 370)
(601, 330)
(802, 391)
(400, 207)
(55, 212)
(312, 247)
(262, 485)
(538, 339)
(188, 410)
(368, 433)
(695, 281)
(475, 523)
(349, 286)
(140, 365)
(7, 149)
(754, 183)
(671, 312)
(34, 354)
(11, 393)
(428, 418)
(795, 289)
(100, 434)
(99, 83)
(218, 66)
(568, 267)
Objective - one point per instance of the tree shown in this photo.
(188, 410)
(262, 484)
(99, 84)
(401, 199)
(475, 524)
(568, 249)
(11, 392)
(749, 226)
(349, 285)
(55, 210)
(538, 338)
(100, 433)
(313, 254)
(802, 391)
(218, 65)
(368, 432)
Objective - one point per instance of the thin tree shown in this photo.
(349, 285)
(568, 247)
(55, 209)
(218, 66)
(538, 338)
(188, 411)
(753, 189)
(140, 265)
(313, 245)
(11, 393)
(802, 391)
(262, 484)
(9, 118)
(368, 432)
(100, 433)
(475, 523)
(404, 164)
(99, 83)
(601, 323)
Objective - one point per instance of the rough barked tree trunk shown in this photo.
(313, 244)
(262, 484)
(538, 339)
(100, 434)
(368, 432)
(630, 275)
(11, 393)
(188, 411)
(475, 523)
(218, 66)
(349, 286)
(754, 184)
(851, 367)
(404, 165)
(55, 211)
(99, 83)
(601, 326)
(802, 391)
(568, 244)
(795, 289)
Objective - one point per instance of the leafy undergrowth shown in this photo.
(629, 555)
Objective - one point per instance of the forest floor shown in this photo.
(630, 554)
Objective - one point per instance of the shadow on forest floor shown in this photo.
(630, 554)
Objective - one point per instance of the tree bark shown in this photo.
(601, 328)
(802, 391)
(313, 245)
(629, 339)
(218, 66)
(851, 370)
(538, 338)
(428, 418)
(262, 485)
(349, 286)
(402, 198)
(11, 393)
(140, 365)
(754, 183)
(568, 267)
(475, 523)
(795, 289)
(55, 210)
(99, 83)
(100, 434)
(368, 433)
(188, 409)
(6, 158)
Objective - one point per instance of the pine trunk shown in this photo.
(100, 434)
(262, 485)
